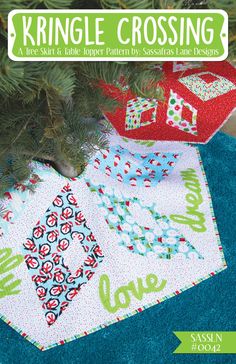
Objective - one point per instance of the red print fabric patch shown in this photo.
(199, 98)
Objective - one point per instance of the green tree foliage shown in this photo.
(50, 111)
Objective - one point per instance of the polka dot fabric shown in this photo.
(205, 93)
(175, 116)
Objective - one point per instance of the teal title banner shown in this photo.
(129, 35)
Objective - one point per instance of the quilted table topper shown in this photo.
(199, 98)
(77, 255)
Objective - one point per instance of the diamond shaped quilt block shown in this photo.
(181, 115)
(162, 241)
(207, 85)
(140, 112)
(63, 225)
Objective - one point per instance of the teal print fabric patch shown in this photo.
(163, 241)
(135, 169)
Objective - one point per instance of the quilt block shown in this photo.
(88, 252)
(140, 112)
(205, 95)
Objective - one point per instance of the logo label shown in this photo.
(127, 35)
